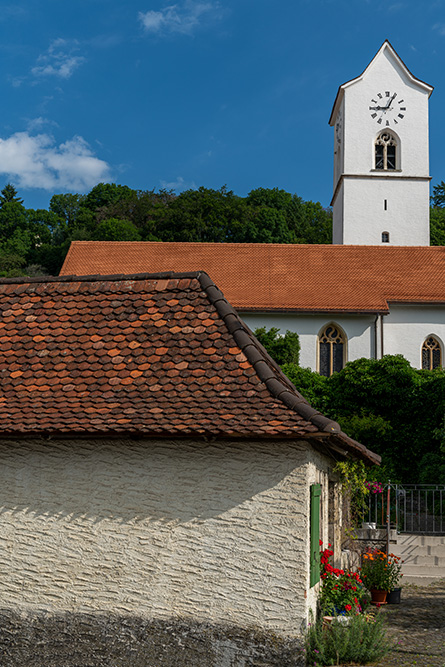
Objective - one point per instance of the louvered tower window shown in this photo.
(386, 151)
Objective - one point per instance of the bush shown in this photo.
(361, 640)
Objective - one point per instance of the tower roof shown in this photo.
(385, 50)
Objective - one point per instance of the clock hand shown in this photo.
(377, 108)
(390, 101)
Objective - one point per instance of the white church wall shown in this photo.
(406, 328)
(338, 216)
(359, 331)
(406, 217)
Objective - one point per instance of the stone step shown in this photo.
(425, 570)
(424, 561)
(422, 550)
(406, 540)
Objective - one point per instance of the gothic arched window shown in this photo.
(386, 151)
(331, 349)
(431, 354)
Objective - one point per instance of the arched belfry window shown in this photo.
(431, 354)
(331, 349)
(386, 151)
(385, 237)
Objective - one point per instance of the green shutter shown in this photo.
(315, 534)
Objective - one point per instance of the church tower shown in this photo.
(381, 163)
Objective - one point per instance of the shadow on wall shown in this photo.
(137, 480)
(51, 640)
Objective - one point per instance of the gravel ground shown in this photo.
(418, 627)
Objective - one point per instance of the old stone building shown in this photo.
(163, 485)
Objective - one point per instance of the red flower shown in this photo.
(348, 607)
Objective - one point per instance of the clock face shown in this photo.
(387, 109)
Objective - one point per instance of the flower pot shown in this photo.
(378, 596)
(393, 596)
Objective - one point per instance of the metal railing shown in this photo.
(411, 508)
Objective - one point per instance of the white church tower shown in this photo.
(381, 164)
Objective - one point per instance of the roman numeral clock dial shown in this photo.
(387, 109)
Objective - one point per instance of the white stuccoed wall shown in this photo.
(359, 330)
(211, 532)
(359, 216)
(406, 328)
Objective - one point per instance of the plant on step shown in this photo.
(380, 571)
(361, 640)
(342, 591)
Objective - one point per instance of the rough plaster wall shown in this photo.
(211, 532)
(319, 469)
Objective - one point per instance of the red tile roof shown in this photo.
(261, 276)
(152, 355)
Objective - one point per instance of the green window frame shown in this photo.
(315, 499)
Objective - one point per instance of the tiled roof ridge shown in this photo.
(164, 275)
(267, 370)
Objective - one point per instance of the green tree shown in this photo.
(283, 349)
(116, 230)
(438, 198)
(9, 194)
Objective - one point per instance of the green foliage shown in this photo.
(314, 387)
(361, 640)
(116, 230)
(9, 194)
(437, 226)
(393, 409)
(353, 476)
(438, 198)
(283, 349)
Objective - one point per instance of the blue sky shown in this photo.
(158, 94)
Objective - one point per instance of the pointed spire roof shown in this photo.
(398, 62)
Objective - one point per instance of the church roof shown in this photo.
(279, 277)
(149, 355)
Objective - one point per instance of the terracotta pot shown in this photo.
(378, 596)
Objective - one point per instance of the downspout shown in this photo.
(381, 337)
(375, 337)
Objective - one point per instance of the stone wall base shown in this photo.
(41, 639)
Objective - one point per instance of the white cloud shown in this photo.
(60, 59)
(34, 124)
(179, 184)
(440, 27)
(182, 18)
(36, 162)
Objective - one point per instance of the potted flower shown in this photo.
(380, 573)
(342, 591)
(395, 573)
